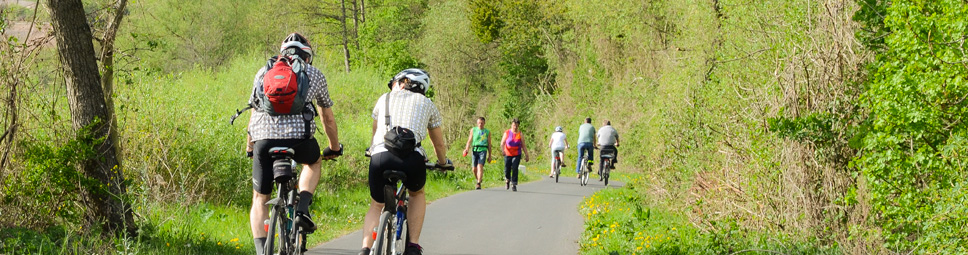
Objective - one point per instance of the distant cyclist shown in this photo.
(557, 144)
(480, 139)
(294, 131)
(408, 108)
(607, 141)
(586, 143)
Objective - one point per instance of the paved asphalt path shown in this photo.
(541, 218)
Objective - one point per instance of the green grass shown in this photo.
(623, 221)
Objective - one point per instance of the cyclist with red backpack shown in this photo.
(287, 95)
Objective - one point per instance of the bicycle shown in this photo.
(586, 167)
(606, 166)
(391, 234)
(292, 237)
(557, 165)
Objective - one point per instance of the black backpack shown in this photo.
(398, 140)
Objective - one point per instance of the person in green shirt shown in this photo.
(479, 142)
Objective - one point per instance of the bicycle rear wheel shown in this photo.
(557, 168)
(584, 172)
(606, 171)
(384, 235)
(276, 235)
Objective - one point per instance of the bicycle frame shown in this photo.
(282, 212)
(586, 167)
(395, 214)
(557, 165)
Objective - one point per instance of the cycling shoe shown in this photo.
(413, 249)
(364, 251)
(305, 221)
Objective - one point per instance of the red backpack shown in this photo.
(284, 91)
(285, 87)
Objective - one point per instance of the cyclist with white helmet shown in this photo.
(408, 108)
(557, 144)
(295, 131)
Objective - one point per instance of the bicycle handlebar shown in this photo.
(431, 165)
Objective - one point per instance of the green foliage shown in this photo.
(485, 20)
(51, 183)
(914, 154)
(174, 35)
(870, 16)
(16, 12)
(389, 35)
(618, 221)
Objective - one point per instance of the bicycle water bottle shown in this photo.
(266, 225)
(374, 233)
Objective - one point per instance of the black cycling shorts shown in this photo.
(307, 152)
(413, 166)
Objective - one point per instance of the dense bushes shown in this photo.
(914, 149)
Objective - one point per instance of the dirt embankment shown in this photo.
(20, 29)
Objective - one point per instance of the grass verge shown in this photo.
(621, 221)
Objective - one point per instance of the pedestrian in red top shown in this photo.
(512, 146)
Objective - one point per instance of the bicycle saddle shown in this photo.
(281, 152)
(395, 175)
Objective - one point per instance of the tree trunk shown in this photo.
(105, 207)
(363, 11)
(356, 25)
(107, 68)
(346, 49)
(10, 129)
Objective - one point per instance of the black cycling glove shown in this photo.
(329, 152)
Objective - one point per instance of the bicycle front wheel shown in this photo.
(384, 235)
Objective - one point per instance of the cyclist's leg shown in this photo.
(417, 207)
(561, 155)
(615, 155)
(261, 188)
(581, 153)
(601, 164)
(376, 182)
(257, 217)
(307, 154)
(415, 214)
(370, 220)
(551, 171)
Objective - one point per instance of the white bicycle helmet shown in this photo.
(420, 80)
(296, 44)
(558, 129)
